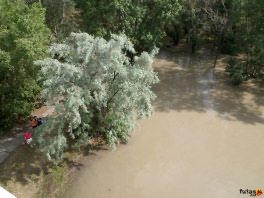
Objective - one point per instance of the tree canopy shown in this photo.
(23, 39)
(97, 89)
(144, 22)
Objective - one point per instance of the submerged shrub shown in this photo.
(236, 71)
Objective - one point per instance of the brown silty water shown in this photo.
(204, 140)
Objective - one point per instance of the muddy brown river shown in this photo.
(204, 140)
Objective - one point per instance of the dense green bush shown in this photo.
(23, 39)
(229, 44)
(236, 71)
(101, 91)
(144, 22)
(248, 30)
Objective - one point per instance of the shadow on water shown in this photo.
(189, 83)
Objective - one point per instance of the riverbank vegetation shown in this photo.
(100, 80)
(97, 90)
(26, 173)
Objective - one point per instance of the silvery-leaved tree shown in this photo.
(96, 88)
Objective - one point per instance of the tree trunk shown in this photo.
(216, 50)
(215, 58)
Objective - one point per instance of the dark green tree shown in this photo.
(23, 39)
(248, 31)
(61, 17)
(144, 22)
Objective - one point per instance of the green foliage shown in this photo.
(97, 89)
(54, 144)
(144, 22)
(236, 71)
(54, 183)
(256, 38)
(23, 39)
(61, 17)
(235, 26)
(229, 44)
(248, 32)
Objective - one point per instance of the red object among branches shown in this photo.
(27, 135)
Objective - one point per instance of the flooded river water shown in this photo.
(204, 140)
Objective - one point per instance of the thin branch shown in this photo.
(115, 75)
(110, 99)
